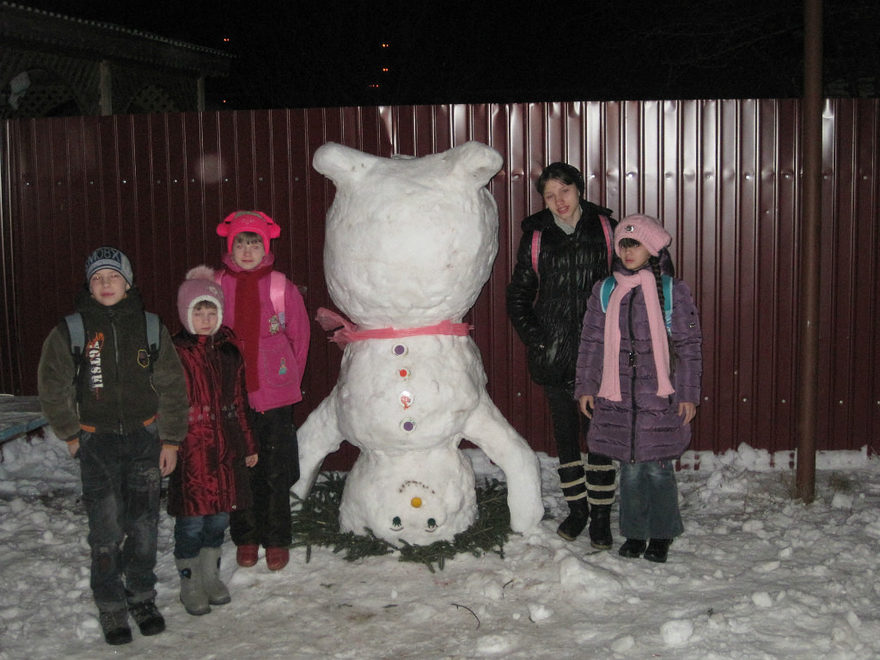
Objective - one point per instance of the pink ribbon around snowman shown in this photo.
(345, 332)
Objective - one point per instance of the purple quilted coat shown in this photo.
(642, 426)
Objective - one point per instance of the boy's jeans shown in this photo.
(649, 501)
(121, 482)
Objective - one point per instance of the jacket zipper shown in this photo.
(121, 426)
(632, 385)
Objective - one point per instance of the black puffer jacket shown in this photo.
(569, 265)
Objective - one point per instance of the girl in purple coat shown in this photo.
(638, 379)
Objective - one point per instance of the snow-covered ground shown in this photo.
(756, 575)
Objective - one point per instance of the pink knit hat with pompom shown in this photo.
(199, 286)
(644, 229)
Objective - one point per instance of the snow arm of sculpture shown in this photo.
(317, 437)
(487, 428)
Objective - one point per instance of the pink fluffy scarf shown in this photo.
(610, 388)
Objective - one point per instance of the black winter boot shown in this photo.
(657, 550)
(573, 525)
(114, 625)
(632, 548)
(147, 617)
(600, 527)
(574, 488)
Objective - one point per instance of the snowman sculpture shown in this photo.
(409, 244)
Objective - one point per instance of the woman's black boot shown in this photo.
(574, 488)
(600, 527)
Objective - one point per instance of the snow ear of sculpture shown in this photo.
(342, 164)
(475, 163)
(472, 163)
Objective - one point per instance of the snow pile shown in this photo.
(756, 575)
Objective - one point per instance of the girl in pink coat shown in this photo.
(267, 314)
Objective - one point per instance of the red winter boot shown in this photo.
(246, 555)
(277, 558)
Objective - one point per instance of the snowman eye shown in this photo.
(432, 525)
(396, 525)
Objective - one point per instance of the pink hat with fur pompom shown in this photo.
(199, 286)
(253, 221)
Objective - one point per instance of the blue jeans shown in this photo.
(649, 501)
(121, 482)
(192, 533)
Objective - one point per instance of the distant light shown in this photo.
(373, 85)
(385, 69)
(226, 40)
(386, 45)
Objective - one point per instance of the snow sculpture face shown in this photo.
(410, 242)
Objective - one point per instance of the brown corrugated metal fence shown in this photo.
(724, 176)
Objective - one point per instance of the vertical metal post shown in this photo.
(811, 110)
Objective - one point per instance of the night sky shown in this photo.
(355, 52)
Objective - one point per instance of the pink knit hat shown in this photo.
(255, 221)
(644, 229)
(199, 286)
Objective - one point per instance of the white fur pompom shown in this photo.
(200, 273)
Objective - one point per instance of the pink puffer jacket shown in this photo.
(282, 349)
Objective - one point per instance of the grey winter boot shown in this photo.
(209, 568)
(192, 593)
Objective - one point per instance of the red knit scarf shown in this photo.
(247, 320)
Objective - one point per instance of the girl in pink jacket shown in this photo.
(267, 314)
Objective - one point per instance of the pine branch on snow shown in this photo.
(316, 522)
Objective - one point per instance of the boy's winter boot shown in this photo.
(114, 625)
(147, 617)
(574, 488)
(192, 593)
(209, 567)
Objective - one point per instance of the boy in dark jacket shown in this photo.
(210, 480)
(122, 412)
(564, 250)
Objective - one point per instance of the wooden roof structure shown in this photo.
(53, 65)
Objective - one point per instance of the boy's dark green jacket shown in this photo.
(117, 388)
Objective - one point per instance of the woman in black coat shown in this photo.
(564, 250)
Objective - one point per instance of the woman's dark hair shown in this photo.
(563, 172)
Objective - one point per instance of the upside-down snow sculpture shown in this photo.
(409, 244)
